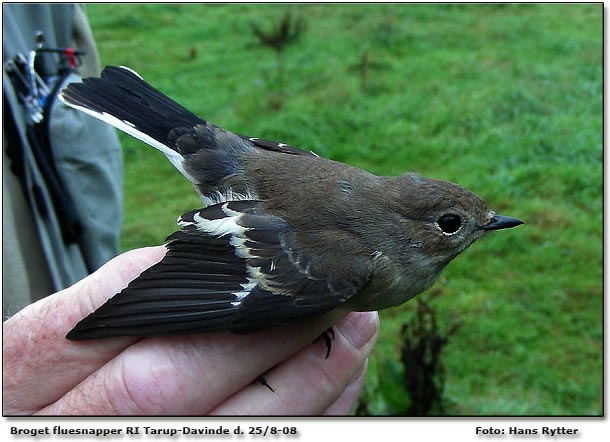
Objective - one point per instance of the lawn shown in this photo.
(505, 100)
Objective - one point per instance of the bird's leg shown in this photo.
(328, 336)
(261, 380)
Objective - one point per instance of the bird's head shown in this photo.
(442, 218)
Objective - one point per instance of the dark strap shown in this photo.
(38, 138)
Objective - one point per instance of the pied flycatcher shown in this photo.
(285, 235)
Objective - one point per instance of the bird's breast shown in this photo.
(393, 283)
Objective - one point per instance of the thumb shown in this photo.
(35, 350)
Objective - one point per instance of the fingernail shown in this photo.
(360, 328)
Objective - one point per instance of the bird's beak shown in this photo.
(498, 222)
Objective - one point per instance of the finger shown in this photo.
(345, 404)
(35, 350)
(307, 383)
(182, 375)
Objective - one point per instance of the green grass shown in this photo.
(505, 100)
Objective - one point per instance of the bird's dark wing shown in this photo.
(233, 267)
(277, 146)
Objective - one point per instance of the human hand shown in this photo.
(212, 373)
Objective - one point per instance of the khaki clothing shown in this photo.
(37, 259)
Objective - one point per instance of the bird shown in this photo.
(284, 235)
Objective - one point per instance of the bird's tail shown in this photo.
(209, 156)
(121, 97)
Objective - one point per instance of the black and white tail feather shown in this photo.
(234, 266)
(207, 155)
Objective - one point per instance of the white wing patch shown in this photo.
(217, 227)
(247, 288)
(229, 226)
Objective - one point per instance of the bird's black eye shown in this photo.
(449, 223)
